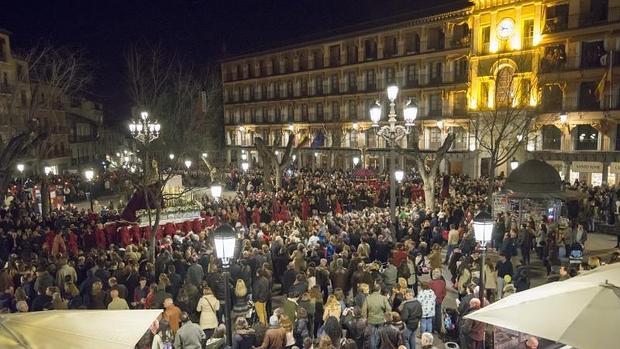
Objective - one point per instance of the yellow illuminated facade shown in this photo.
(545, 57)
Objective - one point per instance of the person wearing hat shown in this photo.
(275, 336)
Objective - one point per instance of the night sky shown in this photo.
(197, 29)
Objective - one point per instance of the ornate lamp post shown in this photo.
(89, 175)
(144, 130)
(399, 175)
(188, 164)
(483, 230)
(392, 133)
(225, 243)
(20, 168)
(356, 161)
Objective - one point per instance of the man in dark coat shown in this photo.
(410, 314)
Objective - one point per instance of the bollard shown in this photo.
(451, 345)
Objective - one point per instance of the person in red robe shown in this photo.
(196, 226)
(256, 216)
(186, 227)
(136, 234)
(159, 234)
(49, 239)
(110, 233)
(125, 236)
(146, 231)
(338, 208)
(72, 244)
(100, 237)
(305, 209)
(243, 218)
(169, 229)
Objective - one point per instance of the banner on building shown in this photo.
(587, 166)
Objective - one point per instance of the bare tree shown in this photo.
(48, 77)
(271, 164)
(502, 126)
(429, 173)
(185, 101)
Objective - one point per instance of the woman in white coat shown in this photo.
(208, 306)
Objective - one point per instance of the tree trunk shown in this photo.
(429, 191)
(491, 185)
(267, 171)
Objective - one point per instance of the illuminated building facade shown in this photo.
(453, 63)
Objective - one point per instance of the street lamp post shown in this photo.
(89, 175)
(20, 169)
(483, 230)
(245, 166)
(399, 175)
(392, 134)
(145, 130)
(356, 161)
(225, 242)
(514, 164)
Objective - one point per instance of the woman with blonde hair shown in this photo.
(208, 306)
(58, 303)
(241, 306)
(332, 308)
(287, 325)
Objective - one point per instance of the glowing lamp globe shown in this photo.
(89, 174)
(483, 227)
(399, 175)
(225, 243)
(375, 114)
(216, 191)
(392, 92)
(410, 113)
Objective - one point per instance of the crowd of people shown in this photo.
(318, 264)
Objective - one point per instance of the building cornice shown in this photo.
(372, 28)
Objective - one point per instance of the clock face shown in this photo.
(505, 28)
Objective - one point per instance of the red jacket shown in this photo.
(439, 287)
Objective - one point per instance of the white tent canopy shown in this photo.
(110, 329)
(583, 312)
